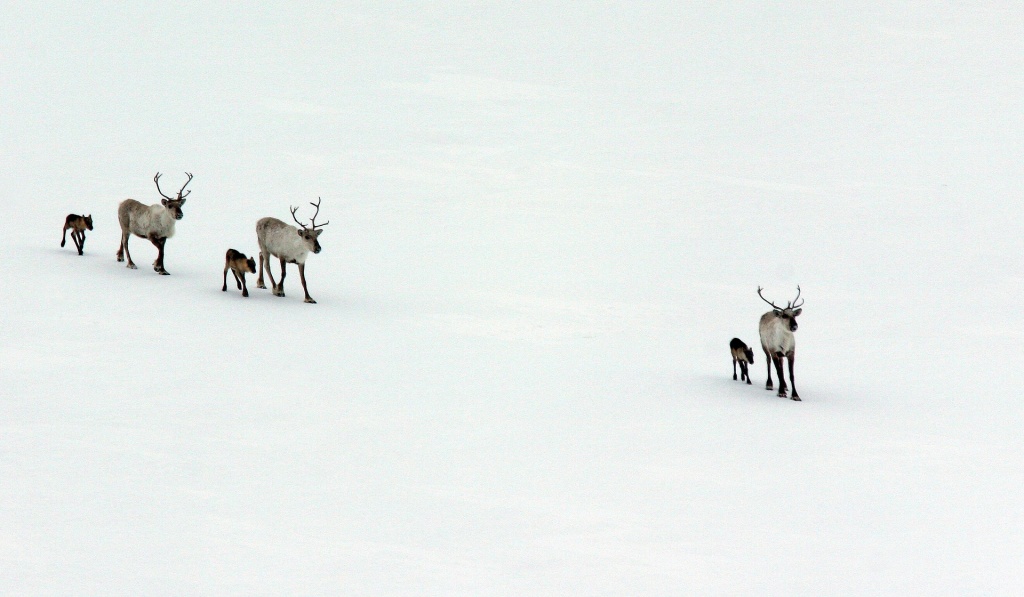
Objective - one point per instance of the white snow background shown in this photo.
(547, 220)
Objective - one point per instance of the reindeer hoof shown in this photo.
(132, 266)
(748, 383)
(309, 300)
(164, 273)
(797, 398)
(261, 285)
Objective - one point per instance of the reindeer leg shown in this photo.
(777, 359)
(279, 289)
(792, 382)
(158, 264)
(237, 281)
(79, 238)
(124, 248)
(734, 369)
(270, 274)
(768, 359)
(64, 236)
(259, 280)
(160, 257)
(245, 291)
(224, 287)
(302, 276)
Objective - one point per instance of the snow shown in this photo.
(547, 222)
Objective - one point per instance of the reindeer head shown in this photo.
(88, 221)
(789, 313)
(750, 355)
(311, 234)
(251, 264)
(173, 205)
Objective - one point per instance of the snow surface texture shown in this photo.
(547, 222)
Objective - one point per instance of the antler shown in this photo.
(293, 210)
(312, 221)
(759, 289)
(156, 179)
(794, 306)
(180, 196)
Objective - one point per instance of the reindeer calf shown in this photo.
(239, 265)
(743, 355)
(78, 225)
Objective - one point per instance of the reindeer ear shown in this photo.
(164, 201)
(778, 313)
(298, 231)
(797, 312)
(316, 233)
(182, 201)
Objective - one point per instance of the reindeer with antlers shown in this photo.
(290, 245)
(777, 340)
(152, 222)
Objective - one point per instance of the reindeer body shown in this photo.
(146, 221)
(78, 225)
(154, 223)
(743, 355)
(290, 245)
(778, 342)
(283, 240)
(239, 265)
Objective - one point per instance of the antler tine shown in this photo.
(156, 179)
(759, 289)
(313, 220)
(795, 305)
(293, 210)
(180, 196)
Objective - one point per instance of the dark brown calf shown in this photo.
(239, 265)
(743, 355)
(78, 225)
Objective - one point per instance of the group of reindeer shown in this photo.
(155, 223)
(777, 342)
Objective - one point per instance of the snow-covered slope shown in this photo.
(547, 222)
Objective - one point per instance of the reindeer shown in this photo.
(78, 225)
(289, 244)
(777, 340)
(239, 265)
(743, 355)
(153, 222)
